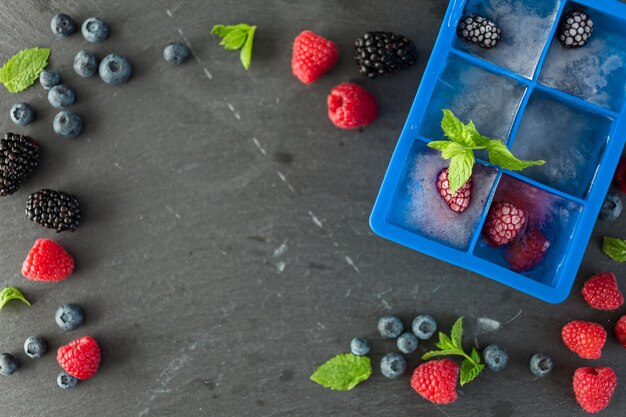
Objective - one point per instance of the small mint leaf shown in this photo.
(23, 68)
(444, 352)
(469, 371)
(11, 293)
(236, 37)
(460, 170)
(453, 150)
(614, 248)
(246, 52)
(456, 333)
(343, 372)
(500, 155)
(475, 355)
(444, 343)
(479, 139)
(455, 130)
(440, 145)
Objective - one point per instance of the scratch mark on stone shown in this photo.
(168, 208)
(315, 220)
(182, 35)
(230, 107)
(487, 325)
(117, 165)
(237, 115)
(280, 250)
(515, 317)
(284, 179)
(168, 12)
(436, 288)
(380, 294)
(280, 267)
(348, 292)
(321, 326)
(350, 262)
(207, 73)
(258, 145)
(180, 3)
(385, 304)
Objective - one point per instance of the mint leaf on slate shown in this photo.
(614, 248)
(469, 371)
(23, 68)
(236, 37)
(343, 372)
(11, 293)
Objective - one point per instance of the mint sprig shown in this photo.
(236, 37)
(11, 293)
(614, 248)
(452, 345)
(464, 139)
(343, 372)
(23, 68)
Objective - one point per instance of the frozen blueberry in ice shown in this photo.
(49, 79)
(22, 114)
(95, 29)
(359, 346)
(390, 327)
(35, 347)
(8, 364)
(392, 365)
(67, 124)
(541, 364)
(85, 63)
(407, 342)
(62, 25)
(611, 208)
(115, 69)
(496, 357)
(69, 316)
(66, 381)
(61, 96)
(176, 53)
(424, 326)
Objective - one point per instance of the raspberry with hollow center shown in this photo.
(504, 223)
(351, 106)
(458, 202)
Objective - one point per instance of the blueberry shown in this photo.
(49, 79)
(22, 114)
(359, 346)
(176, 53)
(115, 69)
(424, 326)
(67, 124)
(62, 25)
(95, 29)
(392, 365)
(66, 381)
(69, 316)
(61, 96)
(611, 208)
(390, 327)
(35, 347)
(85, 63)
(541, 364)
(496, 357)
(8, 364)
(407, 342)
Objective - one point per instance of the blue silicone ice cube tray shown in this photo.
(566, 106)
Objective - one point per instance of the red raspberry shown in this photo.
(526, 254)
(584, 338)
(313, 55)
(504, 223)
(594, 388)
(47, 261)
(620, 175)
(461, 199)
(620, 331)
(80, 358)
(351, 106)
(601, 292)
(436, 381)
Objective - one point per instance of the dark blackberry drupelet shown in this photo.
(381, 53)
(19, 156)
(575, 29)
(54, 210)
(479, 30)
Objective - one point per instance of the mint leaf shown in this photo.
(11, 293)
(236, 37)
(614, 248)
(455, 130)
(469, 371)
(246, 52)
(343, 372)
(443, 352)
(452, 150)
(23, 68)
(457, 332)
(460, 170)
(444, 342)
(475, 355)
(500, 155)
(440, 145)
(479, 139)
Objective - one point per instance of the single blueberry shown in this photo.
(95, 29)
(541, 364)
(359, 346)
(22, 114)
(407, 342)
(176, 53)
(66, 381)
(61, 96)
(35, 347)
(390, 327)
(115, 69)
(611, 208)
(8, 364)
(69, 316)
(495, 357)
(85, 63)
(67, 124)
(49, 79)
(62, 25)
(424, 326)
(392, 365)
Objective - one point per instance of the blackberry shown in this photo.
(381, 53)
(19, 156)
(479, 30)
(575, 30)
(54, 210)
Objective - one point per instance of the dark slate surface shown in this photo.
(225, 250)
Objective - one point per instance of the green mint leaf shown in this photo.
(11, 293)
(440, 145)
(445, 343)
(500, 155)
(479, 139)
(475, 356)
(455, 130)
(614, 248)
(236, 37)
(457, 332)
(246, 52)
(460, 170)
(23, 68)
(469, 371)
(443, 352)
(343, 372)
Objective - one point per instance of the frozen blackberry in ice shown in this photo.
(478, 30)
(576, 29)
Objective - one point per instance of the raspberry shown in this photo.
(313, 56)
(584, 338)
(594, 388)
(504, 223)
(80, 358)
(47, 261)
(620, 175)
(351, 106)
(620, 331)
(526, 254)
(436, 381)
(601, 292)
(461, 199)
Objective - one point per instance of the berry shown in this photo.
(528, 252)
(584, 338)
(351, 106)
(407, 343)
(478, 30)
(67, 124)
(495, 357)
(22, 114)
(85, 63)
(35, 347)
(503, 223)
(94, 29)
(390, 327)
(8, 364)
(461, 199)
(611, 208)
(392, 365)
(436, 381)
(62, 25)
(115, 69)
(54, 210)
(19, 156)
(312, 56)
(575, 29)
(66, 381)
(594, 388)
(176, 53)
(601, 292)
(620, 331)
(80, 358)
(69, 317)
(382, 53)
(47, 261)
(424, 326)
(541, 364)
(620, 175)
(359, 346)
(49, 79)
(61, 96)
